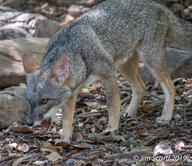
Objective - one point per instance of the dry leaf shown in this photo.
(143, 132)
(189, 81)
(131, 123)
(40, 163)
(13, 146)
(82, 146)
(63, 144)
(71, 153)
(48, 145)
(23, 148)
(21, 129)
(67, 19)
(54, 156)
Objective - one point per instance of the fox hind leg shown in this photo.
(130, 70)
(156, 63)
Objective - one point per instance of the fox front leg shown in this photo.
(113, 102)
(68, 113)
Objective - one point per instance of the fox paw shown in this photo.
(127, 114)
(131, 113)
(65, 139)
(109, 130)
(163, 120)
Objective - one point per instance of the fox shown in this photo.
(114, 35)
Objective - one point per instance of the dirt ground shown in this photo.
(135, 143)
(140, 141)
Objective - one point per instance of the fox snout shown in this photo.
(29, 120)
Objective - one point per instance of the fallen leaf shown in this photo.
(40, 163)
(23, 148)
(82, 146)
(87, 121)
(88, 164)
(25, 158)
(189, 81)
(48, 145)
(63, 144)
(13, 146)
(21, 129)
(179, 145)
(54, 156)
(143, 132)
(131, 123)
(71, 153)
(67, 19)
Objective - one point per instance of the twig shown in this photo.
(154, 96)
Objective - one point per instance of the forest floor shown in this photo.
(139, 141)
(136, 142)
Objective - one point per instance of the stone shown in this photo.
(179, 63)
(177, 116)
(18, 57)
(71, 161)
(177, 8)
(13, 105)
(64, 2)
(16, 4)
(14, 24)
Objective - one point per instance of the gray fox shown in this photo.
(114, 35)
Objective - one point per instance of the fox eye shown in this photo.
(44, 101)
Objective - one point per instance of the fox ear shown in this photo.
(61, 69)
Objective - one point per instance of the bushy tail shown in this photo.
(179, 32)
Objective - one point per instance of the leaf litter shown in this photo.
(139, 140)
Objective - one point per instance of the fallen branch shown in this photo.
(105, 138)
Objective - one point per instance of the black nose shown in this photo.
(29, 122)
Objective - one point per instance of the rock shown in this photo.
(64, 2)
(179, 63)
(77, 10)
(177, 116)
(19, 56)
(177, 8)
(164, 147)
(71, 161)
(16, 4)
(13, 105)
(14, 24)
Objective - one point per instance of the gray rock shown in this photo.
(179, 62)
(16, 4)
(71, 161)
(177, 116)
(13, 105)
(14, 24)
(64, 2)
(19, 56)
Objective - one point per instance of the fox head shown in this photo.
(47, 90)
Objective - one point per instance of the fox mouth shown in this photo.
(45, 125)
(48, 119)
